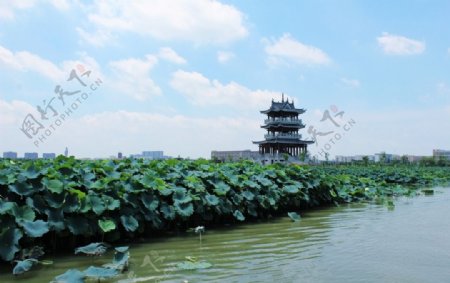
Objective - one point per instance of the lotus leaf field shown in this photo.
(65, 203)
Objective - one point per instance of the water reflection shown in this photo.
(350, 243)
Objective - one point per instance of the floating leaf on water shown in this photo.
(70, 276)
(100, 272)
(23, 266)
(188, 265)
(92, 249)
(294, 216)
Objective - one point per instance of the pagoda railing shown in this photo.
(283, 120)
(282, 136)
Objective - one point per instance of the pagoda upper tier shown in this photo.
(283, 108)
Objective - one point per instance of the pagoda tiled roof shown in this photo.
(283, 106)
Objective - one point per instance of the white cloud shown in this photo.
(26, 61)
(131, 132)
(286, 49)
(132, 77)
(400, 45)
(202, 91)
(352, 83)
(8, 9)
(170, 55)
(224, 56)
(198, 21)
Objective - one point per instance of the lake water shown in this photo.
(349, 243)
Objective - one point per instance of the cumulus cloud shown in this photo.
(352, 83)
(198, 21)
(400, 45)
(287, 49)
(224, 56)
(131, 132)
(170, 55)
(8, 9)
(26, 61)
(200, 90)
(132, 77)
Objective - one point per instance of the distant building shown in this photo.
(414, 158)
(66, 152)
(386, 157)
(158, 154)
(152, 155)
(48, 155)
(10, 154)
(235, 155)
(31, 155)
(119, 155)
(438, 153)
(354, 158)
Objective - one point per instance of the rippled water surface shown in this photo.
(350, 243)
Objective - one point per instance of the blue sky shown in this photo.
(188, 77)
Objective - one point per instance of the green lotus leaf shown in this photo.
(248, 195)
(78, 225)
(221, 188)
(238, 215)
(6, 207)
(79, 194)
(189, 265)
(212, 199)
(180, 195)
(32, 172)
(54, 186)
(23, 266)
(23, 213)
(71, 203)
(55, 218)
(150, 201)
(35, 229)
(22, 188)
(96, 203)
(122, 249)
(120, 260)
(55, 200)
(294, 216)
(100, 272)
(106, 225)
(184, 209)
(9, 239)
(167, 211)
(37, 202)
(291, 189)
(70, 276)
(263, 181)
(7, 177)
(129, 223)
(95, 249)
(110, 202)
(251, 184)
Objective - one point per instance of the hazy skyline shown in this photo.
(188, 77)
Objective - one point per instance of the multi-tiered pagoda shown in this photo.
(282, 125)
